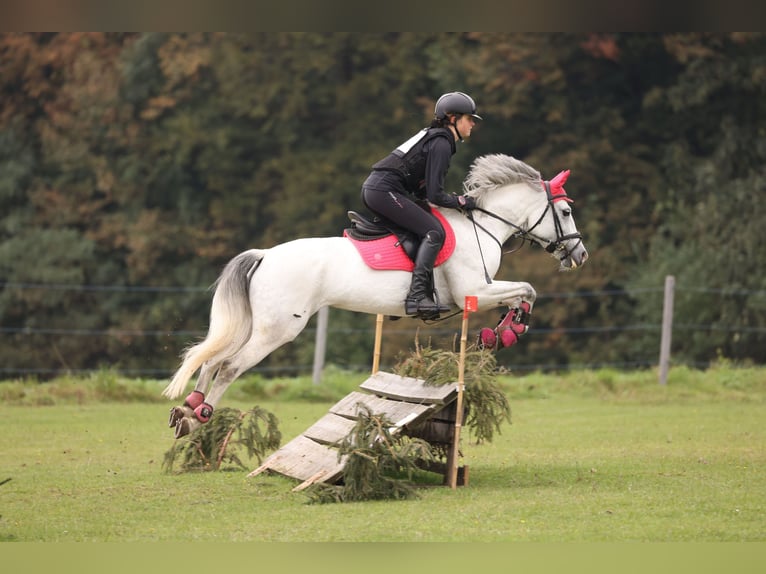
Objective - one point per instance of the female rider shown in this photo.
(415, 171)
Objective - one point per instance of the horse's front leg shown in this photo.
(519, 297)
(504, 294)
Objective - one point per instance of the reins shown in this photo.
(526, 234)
(487, 278)
(523, 234)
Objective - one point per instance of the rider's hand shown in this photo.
(466, 202)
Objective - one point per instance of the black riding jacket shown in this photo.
(421, 164)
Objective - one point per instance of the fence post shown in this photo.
(378, 342)
(667, 328)
(320, 345)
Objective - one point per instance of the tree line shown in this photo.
(149, 160)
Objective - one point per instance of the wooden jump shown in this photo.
(415, 408)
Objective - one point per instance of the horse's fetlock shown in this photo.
(203, 412)
(195, 399)
(520, 317)
(512, 325)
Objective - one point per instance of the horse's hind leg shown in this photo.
(185, 412)
(253, 352)
(191, 419)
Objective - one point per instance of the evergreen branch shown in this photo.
(214, 441)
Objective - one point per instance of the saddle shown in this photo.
(369, 229)
(384, 245)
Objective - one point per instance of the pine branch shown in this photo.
(486, 404)
(214, 441)
(379, 466)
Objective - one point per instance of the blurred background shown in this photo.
(133, 166)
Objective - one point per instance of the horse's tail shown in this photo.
(231, 319)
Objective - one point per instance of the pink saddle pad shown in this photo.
(385, 254)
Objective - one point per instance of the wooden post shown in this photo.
(470, 305)
(378, 337)
(667, 328)
(320, 345)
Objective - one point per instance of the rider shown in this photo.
(414, 172)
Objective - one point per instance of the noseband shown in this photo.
(558, 243)
(526, 234)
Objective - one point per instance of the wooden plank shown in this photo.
(330, 429)
(409, 389)
(309, 481)
(310, 457)
(398, 412)
(303, 459)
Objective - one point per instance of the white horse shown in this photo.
(265, 297)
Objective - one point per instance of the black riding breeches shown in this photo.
(383, 195)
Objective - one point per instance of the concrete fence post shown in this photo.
(667, 328)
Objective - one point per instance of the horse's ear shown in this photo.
(560, 179)
(557, 186)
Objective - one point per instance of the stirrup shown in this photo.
(424, 308)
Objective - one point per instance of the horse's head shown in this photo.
(557, 231)
(550, 225)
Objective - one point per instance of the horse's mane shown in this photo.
(495, 170)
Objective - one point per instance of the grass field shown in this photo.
(589, 457)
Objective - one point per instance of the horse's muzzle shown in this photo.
(575, 258)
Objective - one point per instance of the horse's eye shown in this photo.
(566, 212)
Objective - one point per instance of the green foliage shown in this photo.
(335, 384)
(229, 434)
(379, 465)
(16, 167)
(485, 402)
(105, 385)
(150, 159)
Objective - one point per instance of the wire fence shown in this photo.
(185, 334)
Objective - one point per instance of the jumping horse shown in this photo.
(265, 297)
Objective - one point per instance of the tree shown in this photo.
(142, 162)
(710, 236)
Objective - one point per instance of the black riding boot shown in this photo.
(419, 301)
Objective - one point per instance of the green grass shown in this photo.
(597, 456)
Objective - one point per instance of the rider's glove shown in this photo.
(466, 202)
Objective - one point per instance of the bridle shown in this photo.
(553, 246)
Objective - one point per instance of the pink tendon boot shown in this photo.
(195, 399)
(203, 412)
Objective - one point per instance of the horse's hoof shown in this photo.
(183, 427)
(176, 414)
(487, 338)
(508, 337)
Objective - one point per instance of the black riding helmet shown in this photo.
(455, 103)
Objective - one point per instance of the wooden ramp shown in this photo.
(313, 457)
